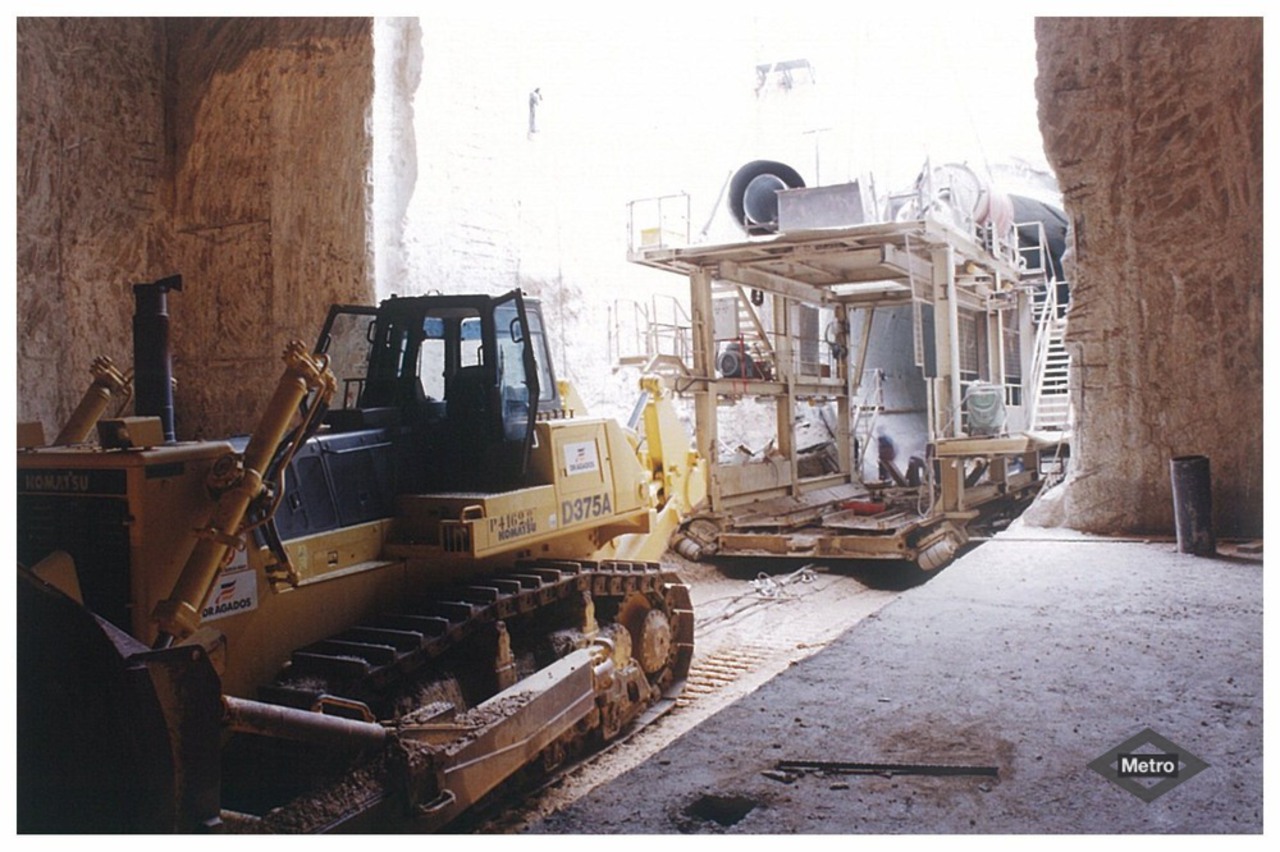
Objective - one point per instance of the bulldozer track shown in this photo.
(360, 670)
(387, 649)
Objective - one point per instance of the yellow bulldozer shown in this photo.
(423, 573)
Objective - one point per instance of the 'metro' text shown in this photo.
(1147, 766)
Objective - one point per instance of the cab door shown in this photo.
(346, 338)
(517, 380)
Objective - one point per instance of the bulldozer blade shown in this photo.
(113, 737)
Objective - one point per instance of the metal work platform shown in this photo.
(906, 341)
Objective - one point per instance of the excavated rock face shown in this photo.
(1154, 127)
(271, 175)
(233, 151)
(90, 193)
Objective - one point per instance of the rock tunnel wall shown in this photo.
(90, 199)
(235, 152)
(1154, 127)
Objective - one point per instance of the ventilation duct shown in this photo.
(753, 194)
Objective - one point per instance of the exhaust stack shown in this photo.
(152, 357)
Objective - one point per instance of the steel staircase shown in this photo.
(1051, 403)
(753, 337)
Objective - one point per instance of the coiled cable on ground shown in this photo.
(764, 589)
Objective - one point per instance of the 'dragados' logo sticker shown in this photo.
(581, 457)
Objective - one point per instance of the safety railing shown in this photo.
(658, 222)
(657, 336)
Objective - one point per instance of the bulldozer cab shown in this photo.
(466, 375)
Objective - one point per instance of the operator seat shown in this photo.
(469, 425)
(466, 398)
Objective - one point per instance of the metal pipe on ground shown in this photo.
(1193, 504)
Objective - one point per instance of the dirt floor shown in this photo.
(1035, 654)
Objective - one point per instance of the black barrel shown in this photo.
(1193, 504)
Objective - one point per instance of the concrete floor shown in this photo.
(1037, 653)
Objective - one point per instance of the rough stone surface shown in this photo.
(464, 223)
(1035, 654)
(397, 45)
(91, 198)
(233, 151)
(272, 175)
(1154, 127)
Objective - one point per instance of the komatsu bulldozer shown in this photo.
(423, 573)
